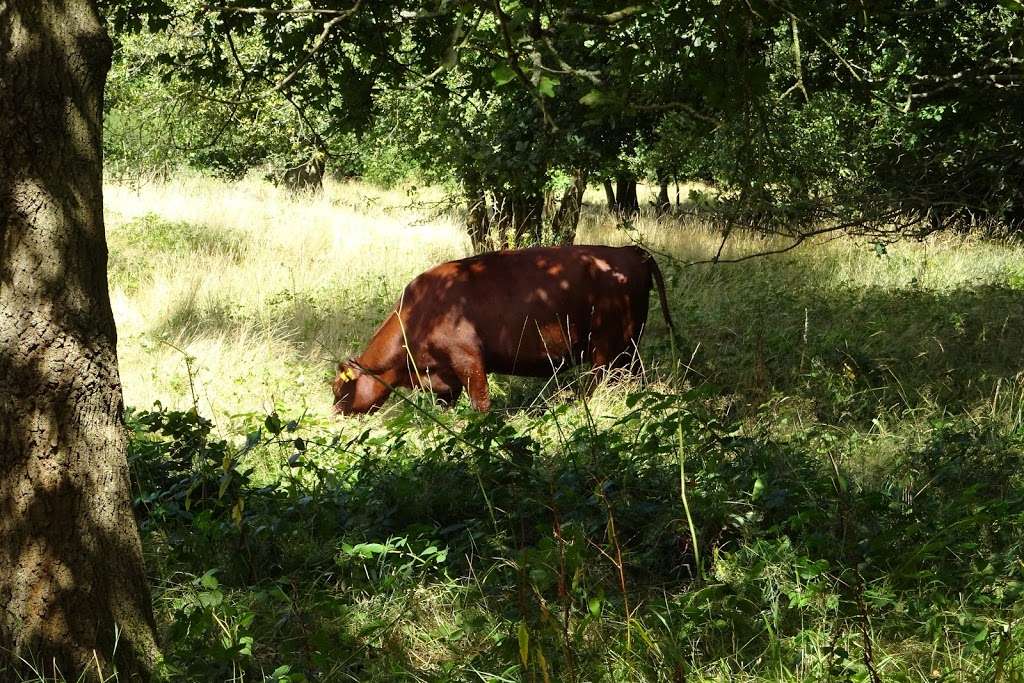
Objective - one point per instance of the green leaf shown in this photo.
(212, 598)
(369, 549)
(813, 569)
(502, 74)
(758, 489)
(273, 423)
(546, 86)
(593, 98)
(209, 580)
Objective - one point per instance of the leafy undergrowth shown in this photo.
(660, 543)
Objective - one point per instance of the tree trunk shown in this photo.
(567, 218)
(306, 176)
(609, 195)
(627, 204)
(477, 219)
(663, 205)
(72, 583)
(519, 219)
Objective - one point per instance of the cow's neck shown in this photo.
(385, 352)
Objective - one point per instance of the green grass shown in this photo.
(849, 426)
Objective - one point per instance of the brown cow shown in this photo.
(520, 312)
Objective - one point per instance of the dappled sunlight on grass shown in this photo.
(262, 286)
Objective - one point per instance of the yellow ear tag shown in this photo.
(349, 374)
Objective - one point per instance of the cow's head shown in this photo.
(344, 387)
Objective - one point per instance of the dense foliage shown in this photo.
(803, 116)
(659, 545)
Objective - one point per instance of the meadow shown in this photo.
(823, 481)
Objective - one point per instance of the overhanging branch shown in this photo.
(609, 19)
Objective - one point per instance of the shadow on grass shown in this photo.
(858, 351)
(499, 526)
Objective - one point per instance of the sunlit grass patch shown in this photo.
(263, 288)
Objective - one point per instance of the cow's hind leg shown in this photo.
(604, 359)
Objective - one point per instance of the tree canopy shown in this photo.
(800, 116)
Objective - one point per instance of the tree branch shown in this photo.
(317, 44)
(513, 61)
(274, 12)
(609, 19)
(682, 106)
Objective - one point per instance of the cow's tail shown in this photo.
(659, 284)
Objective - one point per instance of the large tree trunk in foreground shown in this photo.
(71, 575)
(567, 218)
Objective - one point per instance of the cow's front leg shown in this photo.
(468, 365)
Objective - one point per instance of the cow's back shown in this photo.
(530, 310)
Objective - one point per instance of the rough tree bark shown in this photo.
(519, 218)
(567, 218)
(71, 573)
(663, 204)
(308, 174)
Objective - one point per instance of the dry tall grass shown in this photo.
(260, 288)
(254, 292)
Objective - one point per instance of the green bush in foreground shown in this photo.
(659, 545)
